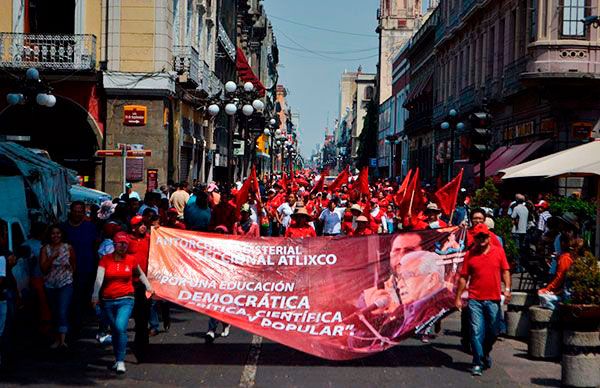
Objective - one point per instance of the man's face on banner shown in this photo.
(418, 276)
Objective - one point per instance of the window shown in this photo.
(368, 93)
(571, 14)
(533, 20)
(490, 56)
(501, 47)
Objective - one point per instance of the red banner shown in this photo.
(338, 298)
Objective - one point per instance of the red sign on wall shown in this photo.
(134, 115)
(151, 179)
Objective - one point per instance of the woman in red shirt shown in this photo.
(115, 278)
(246, 227)
(300, 228)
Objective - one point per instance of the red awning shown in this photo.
(424, 85)
(245, 72)
(509, 156)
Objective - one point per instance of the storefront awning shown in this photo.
(246, 74)
(424, 85)
(508, 156)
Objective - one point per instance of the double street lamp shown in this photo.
(241, 100)
(33, 89)
(453, 125)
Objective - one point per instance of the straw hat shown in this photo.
(432, 208)
(362, 219)
(301, 211)
(356, 207)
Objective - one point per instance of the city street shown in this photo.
(181, 358)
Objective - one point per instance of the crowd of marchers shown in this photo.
(95, 263)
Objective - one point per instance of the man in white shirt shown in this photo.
(180, 198)
(520, 217)
(285, 211)
(331, 217)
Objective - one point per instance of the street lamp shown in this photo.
(33, 89)
(243, 100)
(453, 125)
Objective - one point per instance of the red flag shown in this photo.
(341, 179)
(251, 183)
(362, 182)
(413, 201)
(319, 186)
(447, 195)
(402, 190)
(283, 181)
(417, 199)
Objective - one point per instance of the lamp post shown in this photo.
(240, 101)
(452, 124)
(32, 88)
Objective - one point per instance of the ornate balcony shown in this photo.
(208, 80)
(186, 62)
(47, 51)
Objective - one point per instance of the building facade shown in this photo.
(397, 20)
(533, 63)
(133, 73)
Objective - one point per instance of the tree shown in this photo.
(367, 141)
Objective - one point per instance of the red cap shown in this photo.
(481, 229)
(121, 237)
(375, 200)
(136, 220)
(172, 210)
(543, 204)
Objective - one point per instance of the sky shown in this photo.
(311, 60)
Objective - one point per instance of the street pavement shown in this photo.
(181, 358)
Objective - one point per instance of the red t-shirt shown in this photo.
(118, 276)
(296, 232)
(483, 272)
(364, 232)
(140, 249)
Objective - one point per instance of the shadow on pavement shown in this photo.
(277, 355)
(546, 382)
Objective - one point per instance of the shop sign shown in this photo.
(548, 126)
(372, 162)
(582, 130)
(151, 179)
(134, 115)
(525, 129)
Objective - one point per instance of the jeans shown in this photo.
(2, 316)
(118, 312)
(154, 322)
(485, 326)
(60, 300)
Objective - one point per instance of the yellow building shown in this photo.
(105, 58)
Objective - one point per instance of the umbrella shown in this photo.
(580, 161)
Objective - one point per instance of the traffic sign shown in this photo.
(119, 153)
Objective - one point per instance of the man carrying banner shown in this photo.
(483, 266)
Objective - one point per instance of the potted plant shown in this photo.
(581, 311)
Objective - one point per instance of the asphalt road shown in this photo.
(181, 358)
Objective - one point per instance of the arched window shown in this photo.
(368, 93)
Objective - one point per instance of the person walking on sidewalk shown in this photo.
(483, 266)
(115, 279)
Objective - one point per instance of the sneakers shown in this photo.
(225, 332)
(152, 333)
(476, 371)
(210, 337)
(120, 367)
(104, 339)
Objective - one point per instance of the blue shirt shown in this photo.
(83, 239)
(332, 220)
(195, 217)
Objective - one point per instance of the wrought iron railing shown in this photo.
(187, 61)
(226, 41)
(209, 82)
(47, 51)
(512, 76)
